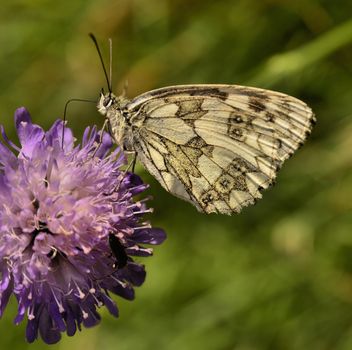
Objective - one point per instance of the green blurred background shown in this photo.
(277, 276)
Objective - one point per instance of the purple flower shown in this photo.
(68, 228)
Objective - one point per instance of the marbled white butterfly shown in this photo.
(215, 146)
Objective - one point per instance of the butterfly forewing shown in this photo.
(217, 146)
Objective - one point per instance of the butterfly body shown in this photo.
(113, 108)
(216, 146)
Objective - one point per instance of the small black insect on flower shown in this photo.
(119, 252)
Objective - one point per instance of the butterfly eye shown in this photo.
(107, 102)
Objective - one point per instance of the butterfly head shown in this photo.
(106, 100)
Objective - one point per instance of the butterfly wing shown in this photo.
(217, 146)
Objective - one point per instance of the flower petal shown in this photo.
(5, 289)
(54, 136)
(149, 236)
(6, 156)
(7, 140)
(104, 146)
(29, 134)
(47, 329)
(90, 317)
(32, 330)
(110, 304)
(135, 274)
(126, 291)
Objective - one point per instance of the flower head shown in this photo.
(69, 227)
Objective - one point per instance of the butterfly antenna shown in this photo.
(110, 64)
(65, 113)
(102, 61)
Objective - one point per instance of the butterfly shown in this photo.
(215, 146)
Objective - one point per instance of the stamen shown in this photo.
(30, 314)
(61, 308)
(99, 303)
(150, 210)
(139, 203)
(146, 225)
(81, 294)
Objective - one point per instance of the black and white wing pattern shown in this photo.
(217, 146)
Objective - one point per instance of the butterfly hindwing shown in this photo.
(217, 146)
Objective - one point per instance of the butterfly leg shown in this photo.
(132, 163)
(131, 166)
(134, 160)
(101, 136)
